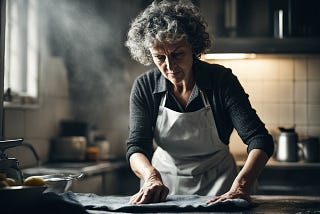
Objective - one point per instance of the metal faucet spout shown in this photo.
(35, 154)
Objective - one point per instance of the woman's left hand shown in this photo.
(231, 194)
(242, 184)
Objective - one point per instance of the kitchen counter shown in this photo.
(279, 204)
(272, 163)
(288, 178)
(272, 204)
(88, 168)
(260, 204)
(285, 204)
(263, 204)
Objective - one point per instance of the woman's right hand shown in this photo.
(152, 191)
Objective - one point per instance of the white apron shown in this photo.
(190, 156)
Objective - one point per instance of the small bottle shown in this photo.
(103, 145)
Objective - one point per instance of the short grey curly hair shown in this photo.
(167, 21)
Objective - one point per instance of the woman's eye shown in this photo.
(160, 58)
(177, 55)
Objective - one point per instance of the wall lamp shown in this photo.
(212, 56)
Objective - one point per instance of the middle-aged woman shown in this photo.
(189, 108)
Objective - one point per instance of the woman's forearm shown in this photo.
(153, 190)
(141, 166)
(252, 168)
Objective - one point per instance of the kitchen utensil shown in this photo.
(10, 166)
(59, 183)
(71, 148)
(310, 149)
(287, 147)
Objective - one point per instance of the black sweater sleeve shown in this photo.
(243, 116)
(142, 116)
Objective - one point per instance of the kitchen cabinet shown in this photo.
(252, 26)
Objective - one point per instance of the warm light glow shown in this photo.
(230, 56)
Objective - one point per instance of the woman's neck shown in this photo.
(183, 91)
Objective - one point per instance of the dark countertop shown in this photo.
(273, 204)
(267, 204)
(261, 204)
(285, 204)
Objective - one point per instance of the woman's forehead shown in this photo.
(167, 47)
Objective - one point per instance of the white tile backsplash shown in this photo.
(254, 90)
(300, 69)
(271, 113)
(314, 91)
(313, 67)
(313, 114)
(302, 131)
(300, 114)
(300, 91)
(285, 91)
(267, 68)
(270, 91)
(286, 71)
(286, 114)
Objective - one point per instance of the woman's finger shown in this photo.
(164, 194)
(146, 197)
(156, 195)
(135, 198)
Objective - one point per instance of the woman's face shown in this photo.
(174, 60)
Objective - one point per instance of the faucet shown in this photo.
(35, 154)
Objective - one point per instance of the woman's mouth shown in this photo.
(173, 72)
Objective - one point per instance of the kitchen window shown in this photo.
(21, 66)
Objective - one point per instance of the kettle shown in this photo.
(309, 149)
(10, 166)
(287, 147)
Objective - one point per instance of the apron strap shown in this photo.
(204, 99)
(163, 100)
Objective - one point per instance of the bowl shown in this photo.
(59, 183)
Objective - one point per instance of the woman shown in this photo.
(189, 108)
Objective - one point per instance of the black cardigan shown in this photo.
(230, 105)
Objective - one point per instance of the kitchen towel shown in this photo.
(174, 203)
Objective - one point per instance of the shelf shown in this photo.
(266, 45)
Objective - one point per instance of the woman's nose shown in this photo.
(170, 63)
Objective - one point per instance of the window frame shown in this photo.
(22, 80)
